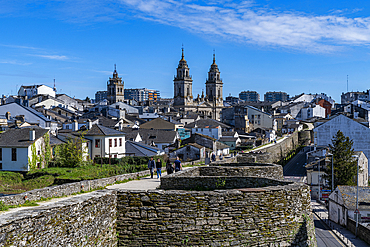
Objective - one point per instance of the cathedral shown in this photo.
(209, 105)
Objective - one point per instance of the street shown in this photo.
(294, 170)
(324, 236)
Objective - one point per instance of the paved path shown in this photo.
(341, 233)
(145, 183)
(270, 144)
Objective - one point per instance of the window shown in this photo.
(97, 143)
(1, 154)
(1, 166)
(110, 143)
(38, 152)
(115, 142)
(14, 154)
(120, 142)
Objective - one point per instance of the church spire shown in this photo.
(214, 57)
(182, 54)
(115, 74)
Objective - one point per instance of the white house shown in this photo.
(51, 103)
(311, 111)
(359, 133)
(209, 127)
(342, 203)
(106, 142)
(20, 149)
(30, 115)
(31, 91)
(260, 118)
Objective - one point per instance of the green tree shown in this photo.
(344, 163)
(72, 153)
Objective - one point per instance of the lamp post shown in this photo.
(356, 212)
(332, 171)
(318, 178)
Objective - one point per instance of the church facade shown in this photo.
(209, 105)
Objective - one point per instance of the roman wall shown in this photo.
(271, 154)
(243, 211)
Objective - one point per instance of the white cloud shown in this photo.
(54, 57)
(246, 24)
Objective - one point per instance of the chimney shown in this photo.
(89, 124)
(75, 125)
(32, 134)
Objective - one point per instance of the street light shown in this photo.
(318, 162)
(356, 212)
(332, 171)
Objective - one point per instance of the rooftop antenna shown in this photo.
(347, 83)
(55, 89)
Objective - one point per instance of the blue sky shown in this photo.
(292, 46)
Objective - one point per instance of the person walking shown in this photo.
(158, 167)
(151, 166)
(178, 166)
(169, 167)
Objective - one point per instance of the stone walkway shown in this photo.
(270, 144)
(341, 232)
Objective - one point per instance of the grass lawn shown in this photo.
(14, 182)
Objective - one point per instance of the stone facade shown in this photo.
(85, 220)
(362, 231)
(253, 211)
(224, 177)
(269, 216)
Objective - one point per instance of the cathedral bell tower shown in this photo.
(214, 85)
(115, 88)
(183, 84)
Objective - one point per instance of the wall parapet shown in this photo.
(67, 189)
(84, 220)
(251, 216)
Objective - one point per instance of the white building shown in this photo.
(359, 133)
(20, 149)
(311, 111)
(342, 203)
(31, 91)
(258, 118)
(30, 115)
(106, 142)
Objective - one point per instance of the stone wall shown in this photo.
(67, 189)
(269, 216)
(225, 177)
(84, 220)
(271, 154)
(362, 231)
(245, 169)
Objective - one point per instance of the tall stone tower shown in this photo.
(115, 88)
(214, 85)
(183, 84)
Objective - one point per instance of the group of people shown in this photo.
(157, 166)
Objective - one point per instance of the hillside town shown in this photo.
(206, 128)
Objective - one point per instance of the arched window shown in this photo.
(187, 73)
(187, 91)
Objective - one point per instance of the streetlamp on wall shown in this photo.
(318, 178)
(357, 213)
(332, 171)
